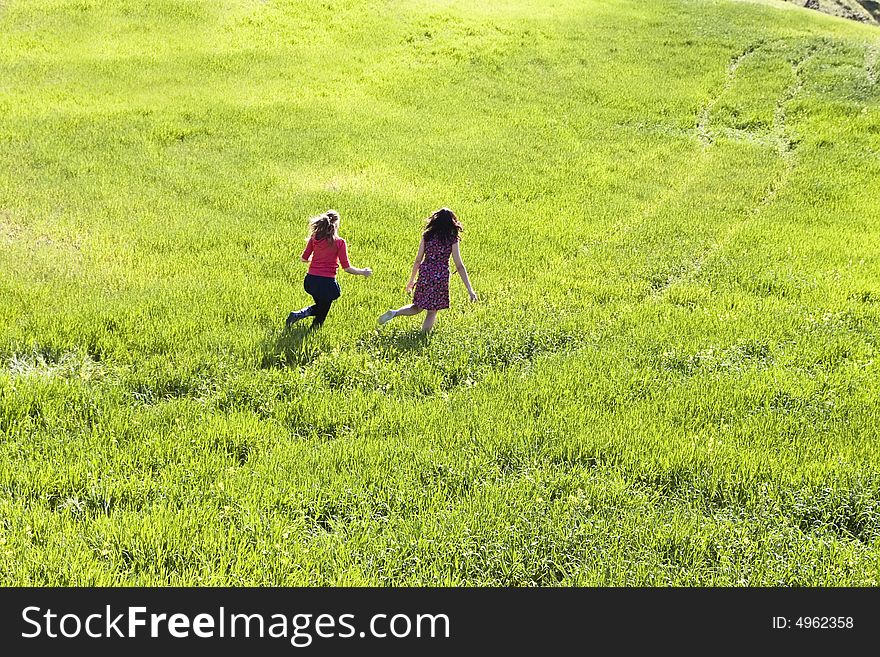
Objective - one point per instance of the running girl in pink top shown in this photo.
(325, 248)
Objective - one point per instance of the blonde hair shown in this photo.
(324, 227)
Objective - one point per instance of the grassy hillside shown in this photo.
(671, 376)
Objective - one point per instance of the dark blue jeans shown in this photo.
(324, 290)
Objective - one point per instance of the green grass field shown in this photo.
(671, 218)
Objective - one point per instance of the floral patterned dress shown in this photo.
(432, 286)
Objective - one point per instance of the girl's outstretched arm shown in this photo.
(415, 268)
(462, 271)
(342, 254)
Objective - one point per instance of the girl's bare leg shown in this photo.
(430, 320)
(410, 309)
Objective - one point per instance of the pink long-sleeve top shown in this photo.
(325, 254)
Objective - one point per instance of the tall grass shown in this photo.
(670, 215)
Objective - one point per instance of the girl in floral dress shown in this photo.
(439, 241)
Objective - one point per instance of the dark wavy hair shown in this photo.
(443, 224)
(324, 227)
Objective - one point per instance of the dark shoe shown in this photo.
(294, 317)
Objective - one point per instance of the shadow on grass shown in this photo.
(301, 345)
(400, 342)
(289, 347)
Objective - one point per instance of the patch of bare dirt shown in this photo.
(864, 11)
